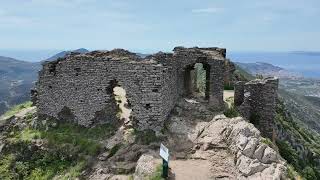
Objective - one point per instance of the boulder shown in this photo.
(250, 147)
(146, 166)
(260, 151)
(269, 156)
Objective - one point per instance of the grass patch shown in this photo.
(157, 174)
(267, 141)
(231, 111)
(64, 154)
(17, 108)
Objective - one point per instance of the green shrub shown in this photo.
(228, 87)
(146, 137)
(114, 150)
(288, 153)
(267, 141)
(67, 149)
(309, 173)
(231, 112)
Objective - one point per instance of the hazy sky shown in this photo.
(147, 25)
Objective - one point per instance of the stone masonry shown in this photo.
(256, 101)
(79, 87)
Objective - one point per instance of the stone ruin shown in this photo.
(256, 101)
(79, 87)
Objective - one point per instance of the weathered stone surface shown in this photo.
(259, 151)
(146, 166)
(269, 155)
(79, 87)
(256, 101)
(250, 147)
(254, 159)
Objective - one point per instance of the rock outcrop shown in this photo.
(254, 159)
(233, 144)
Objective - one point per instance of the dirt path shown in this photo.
(227, 94)
(190, 169)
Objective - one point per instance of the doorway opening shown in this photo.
(197, 81)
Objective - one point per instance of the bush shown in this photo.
(288, 153)
(231, 112)
(146, 137)
(67, 149)
(228, 87)
(309, 173)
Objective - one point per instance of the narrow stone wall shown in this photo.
(79, 87)
(256, 101)
(238, 93)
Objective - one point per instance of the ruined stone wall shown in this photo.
(79, 87)
(258, 103)
(82, 84)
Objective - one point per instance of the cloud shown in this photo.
(207, 10)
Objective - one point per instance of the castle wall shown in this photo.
(79, 87)
(258, 103)
(83, 85)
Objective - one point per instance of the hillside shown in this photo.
(266, 69)
(203, 145)
(16, 80)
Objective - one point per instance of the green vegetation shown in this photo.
(44, 153)
(201, 77)
(114, 150)
(228, 87)
(267, 141)
(231, 111)
(306, 166)
(242, 75)
(157, 174)
(146, 137)
(17, 108)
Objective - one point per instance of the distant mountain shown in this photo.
(16, 79)
(267, 69)
(63, 53)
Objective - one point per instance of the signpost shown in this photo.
(164, 153)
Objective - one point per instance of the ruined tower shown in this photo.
(256, 101)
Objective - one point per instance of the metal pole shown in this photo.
(165, 168)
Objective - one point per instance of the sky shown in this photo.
(153, 25)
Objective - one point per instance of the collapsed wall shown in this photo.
(79, 87)
(256, 101)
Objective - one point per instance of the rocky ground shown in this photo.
(202, 144)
